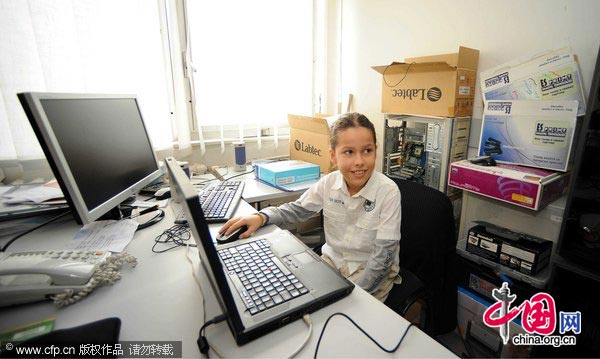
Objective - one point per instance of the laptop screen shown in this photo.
(183, 190)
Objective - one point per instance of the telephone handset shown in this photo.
(33, 276)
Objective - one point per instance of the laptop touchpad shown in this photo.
(282, 245)
(303, 258)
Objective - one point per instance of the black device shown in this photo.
(97, 146)
(233, 236)
(492, 147)
(306, 282)
(483, 161)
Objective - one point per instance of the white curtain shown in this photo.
(253, 63)
(88, 46)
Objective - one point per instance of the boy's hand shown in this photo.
(253, 222)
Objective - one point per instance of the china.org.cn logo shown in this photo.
(538, 319)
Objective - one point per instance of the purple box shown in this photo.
(527, 187)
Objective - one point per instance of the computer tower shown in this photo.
(421, 148)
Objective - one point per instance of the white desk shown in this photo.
(159, 300)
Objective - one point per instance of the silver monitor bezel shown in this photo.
(66, 176)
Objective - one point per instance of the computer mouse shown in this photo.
(222, 238)
(162, 193)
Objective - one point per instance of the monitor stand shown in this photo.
(119, 212)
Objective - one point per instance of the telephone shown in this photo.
(33, 276)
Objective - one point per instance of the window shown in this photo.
(109, 46)
(253, 65)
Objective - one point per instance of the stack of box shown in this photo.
(530, 122)
(431, 98)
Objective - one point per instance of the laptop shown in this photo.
(262, 282)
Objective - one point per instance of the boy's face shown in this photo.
(354, 156)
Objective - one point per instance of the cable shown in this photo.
(33, 229)
(157, 218)
(240, 174)
(202, 342)
(179, 234)
(215, 349)
(402, 79)
(363, 331)
(308, 321)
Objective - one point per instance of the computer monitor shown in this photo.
(97, 146)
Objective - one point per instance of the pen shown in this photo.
(147, 210)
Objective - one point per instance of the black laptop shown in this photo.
(262, 282)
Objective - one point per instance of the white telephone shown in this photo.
(33, 276)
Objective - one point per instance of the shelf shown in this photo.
(540, 280)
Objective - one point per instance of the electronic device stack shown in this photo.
(427, 104)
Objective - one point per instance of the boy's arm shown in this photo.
(304, 208)
(379, 265)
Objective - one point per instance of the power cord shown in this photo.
(179, 234)
(3, 249)
(194, 272)
(363, 331)
(202, 341)
(308, 321)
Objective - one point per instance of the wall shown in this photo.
(377, 32)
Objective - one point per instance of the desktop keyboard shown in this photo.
(218, 200)
(259, 276)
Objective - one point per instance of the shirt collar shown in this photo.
(369, 191)
(339, 182)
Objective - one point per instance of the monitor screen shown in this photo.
(97, 146)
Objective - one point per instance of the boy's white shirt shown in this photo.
(353, 223)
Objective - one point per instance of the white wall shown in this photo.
(377, 32)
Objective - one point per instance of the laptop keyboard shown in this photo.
(264, 281)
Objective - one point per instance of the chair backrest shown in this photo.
(428, 248)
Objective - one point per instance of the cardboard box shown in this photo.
(521, 252)
(553, 75)
(531, 133)
(483, 244)
(439, 85)
(485, 342)
(281, 173)
(309, 140)
(526, 187)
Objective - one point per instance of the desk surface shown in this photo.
(160, 300)
(254, 191)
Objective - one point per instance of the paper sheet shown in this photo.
(111, 235)
(33, 193)
(4, 189)
(148, 204)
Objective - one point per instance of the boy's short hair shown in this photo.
(348, 120)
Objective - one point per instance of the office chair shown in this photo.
(427, 258)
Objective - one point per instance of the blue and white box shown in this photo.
(553, 75)
(282, 173)
(531, 133)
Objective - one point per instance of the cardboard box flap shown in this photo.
(402, 67)
(306, 123)
(465, 58)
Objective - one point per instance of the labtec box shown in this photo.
(521, 252)
(283, 173)
(552, 75)
(437, 85)
(309, 140)
(527, 187)
(531, 133)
